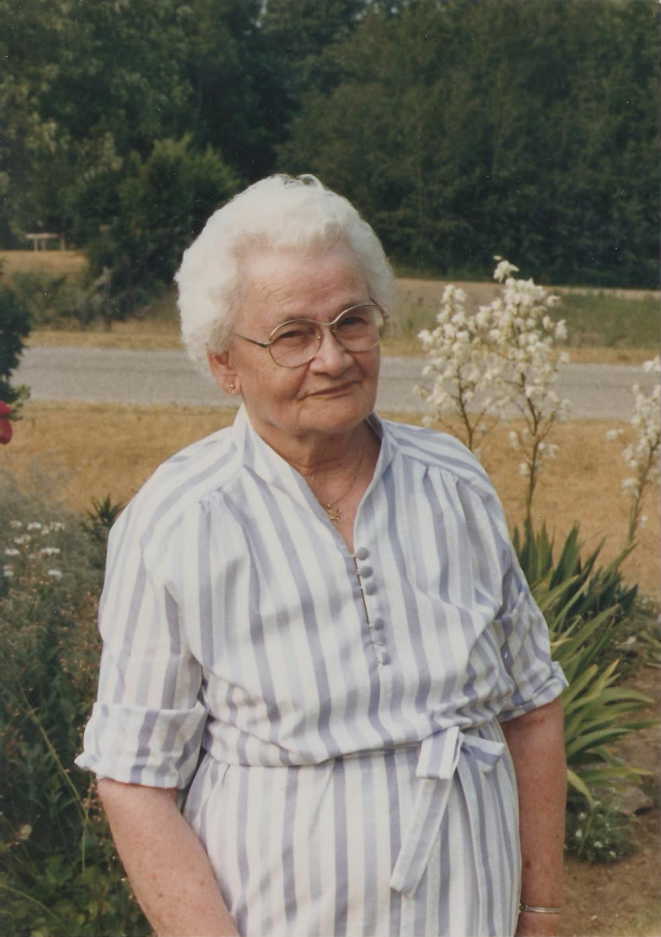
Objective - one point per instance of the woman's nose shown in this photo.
(332, 357)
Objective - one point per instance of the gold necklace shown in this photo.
(331, 507)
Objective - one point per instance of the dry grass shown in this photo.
(90, 450)
(57, 263)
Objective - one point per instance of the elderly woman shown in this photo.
(326, 701)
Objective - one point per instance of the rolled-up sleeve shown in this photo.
(147, 723)
(534, 678)
(531, 678)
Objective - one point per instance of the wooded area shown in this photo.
(461, 128)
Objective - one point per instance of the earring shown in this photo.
(231, 388)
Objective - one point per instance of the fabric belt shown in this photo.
(437, 762)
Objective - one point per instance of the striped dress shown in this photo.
(332, 719)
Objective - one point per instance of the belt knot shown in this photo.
(438, 759)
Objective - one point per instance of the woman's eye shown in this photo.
(352, 322)
(294, 334)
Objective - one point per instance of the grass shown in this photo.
(609, 327)
(57, 263)
(97, 449)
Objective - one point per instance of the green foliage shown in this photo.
(163, 203)
(599, 833)
(59, 873)
(97, 523)
(468, 129)
(578, 584)
(459, 128)
(598, 711)
(585, 607)
(14, 327)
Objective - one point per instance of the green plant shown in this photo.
(589, 588)
(14, 328)
(598, 711)
(163, 202)
(56, 301)
(97, 523)
(59, 874)
(599, 833)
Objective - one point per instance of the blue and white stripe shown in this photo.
(335, 715)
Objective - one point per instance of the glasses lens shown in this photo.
(294, 343)
(359, 328)
(356, 329)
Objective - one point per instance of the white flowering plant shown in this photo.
(499, 362)
(642, 456)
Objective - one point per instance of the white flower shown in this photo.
(55, 573)
(654, 364)
(504, 269)
(8, 571)
(35, 525)
(50, 551)
(16, 524)
(11, 551)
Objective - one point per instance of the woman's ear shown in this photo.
(223, 372)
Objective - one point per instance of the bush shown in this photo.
(598, 711)
(51, 300)
(588, 588)
(60, 875)
(163, 204)
(14, 327)
(599, 834)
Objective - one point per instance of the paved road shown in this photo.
(163, 377)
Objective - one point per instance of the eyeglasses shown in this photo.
(295, 342)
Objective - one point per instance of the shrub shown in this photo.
(589, 588)
(59, 873)
(599, 833)
(14, 327)
(54, 300)
(163, 203)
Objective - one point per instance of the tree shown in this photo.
(466, 128)
(163, 202)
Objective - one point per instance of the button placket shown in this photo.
(368, 588)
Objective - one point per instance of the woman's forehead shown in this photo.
(281, 284)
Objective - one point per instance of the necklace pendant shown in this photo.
(334, 514)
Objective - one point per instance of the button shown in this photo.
(378, 624)
(362, 553)
(370, 588)
(365, 571)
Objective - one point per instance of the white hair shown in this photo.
(275, 213)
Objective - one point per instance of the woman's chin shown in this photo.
(340, 414)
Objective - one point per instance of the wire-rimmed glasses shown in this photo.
(295, 342)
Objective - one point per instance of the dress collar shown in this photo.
(258, 456)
